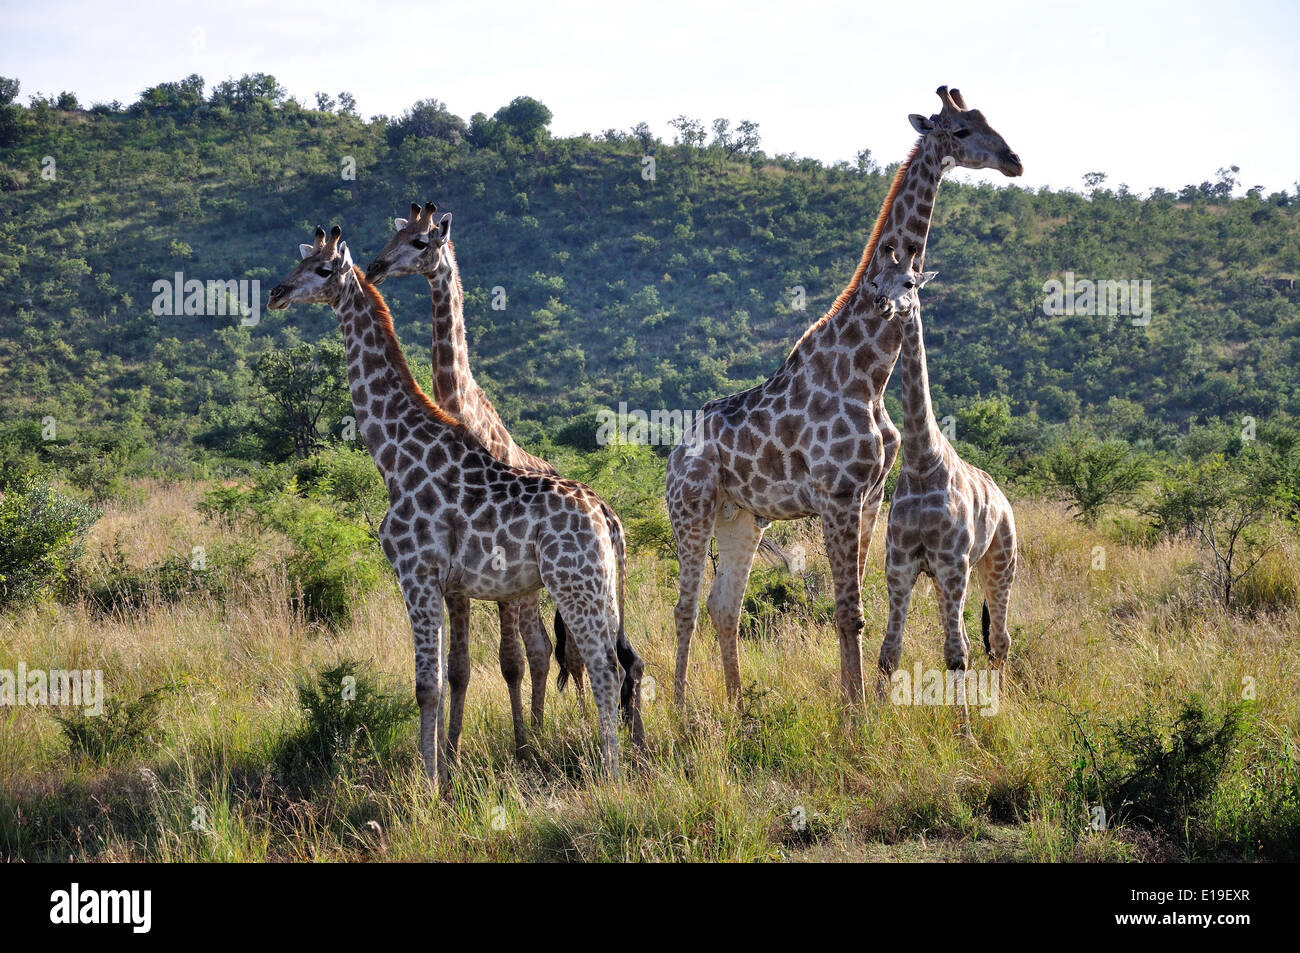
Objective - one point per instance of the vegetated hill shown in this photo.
(662, 292)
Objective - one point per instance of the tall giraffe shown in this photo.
(814, 438)
(462, 523)
(422, 245)
(946, 515)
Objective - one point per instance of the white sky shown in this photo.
(1150, 93)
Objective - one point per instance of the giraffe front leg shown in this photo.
(841, 532)
(511, 657)
(458, 669)
(424, 606)
(901, 576)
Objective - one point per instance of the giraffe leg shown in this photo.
(592, 630)
(841, 531)
(950, 585)
(458, 668)
(901, 575)
(738, 537)
(692, 503)
(512, 668)
(537, 646)
(867, 529)
(424, 606)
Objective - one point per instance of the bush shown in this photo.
(1160, 774)
(42, 532)
(347, 712)
(773, 594)
(123, 727)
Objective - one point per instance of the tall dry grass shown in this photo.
(787, 774)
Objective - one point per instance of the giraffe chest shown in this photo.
(477, 544)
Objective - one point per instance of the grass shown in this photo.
(787, 775)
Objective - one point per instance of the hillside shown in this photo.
(661, 293)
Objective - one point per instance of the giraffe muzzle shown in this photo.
(377, 272)
(275, 301)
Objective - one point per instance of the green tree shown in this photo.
(1091, 474)
(303, 383)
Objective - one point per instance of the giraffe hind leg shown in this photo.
(738, 536)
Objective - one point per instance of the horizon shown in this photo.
(479, 61)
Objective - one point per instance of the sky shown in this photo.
(1152, 94)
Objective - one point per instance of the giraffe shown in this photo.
(946, 515)
(814, 438)
(462, 523)
(422, 245)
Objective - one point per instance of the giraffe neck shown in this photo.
(389, 406)
(922, 440)
(906, 226)
(903, 224)
(453, 382)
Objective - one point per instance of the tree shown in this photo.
(1090, 474)
(428, 119)
(525, 118)
(303, 383)
(10, 114)
(690, 132)
(1222, 505)
(641, 132)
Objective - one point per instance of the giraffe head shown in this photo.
(318, 279)
(894, 290)
(418, 247)
(965, 136)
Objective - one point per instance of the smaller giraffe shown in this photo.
(462, 523)
(946, 516)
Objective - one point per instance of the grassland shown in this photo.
(787, 775)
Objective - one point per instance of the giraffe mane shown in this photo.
(397, 360)
(870, 250)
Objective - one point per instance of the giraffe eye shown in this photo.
(420, 242)
(324, 272)
(961, 133)
(909, 285)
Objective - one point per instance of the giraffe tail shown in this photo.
(561, 647)
(627, 657)
(984, 627)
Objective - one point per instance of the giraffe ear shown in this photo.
(400, 223)
(345, 257)
(305, 250)
(444, 227)
(925, 278)
(921, 124)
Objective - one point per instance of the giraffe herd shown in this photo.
(474, 516)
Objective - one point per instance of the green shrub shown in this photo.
(773, 594)
(347, 712)
(122, 727)
(42, 532)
